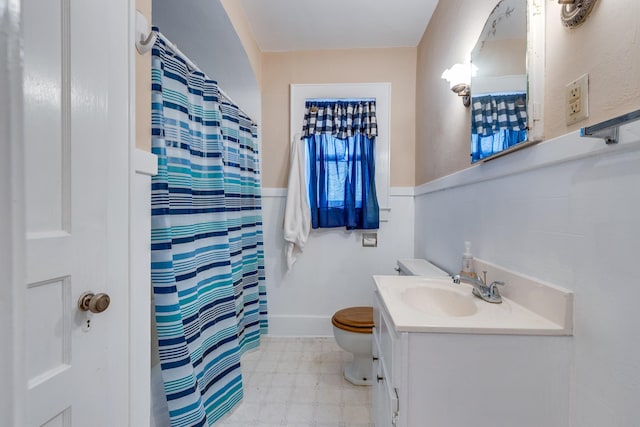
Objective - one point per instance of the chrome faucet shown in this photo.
(488, 293)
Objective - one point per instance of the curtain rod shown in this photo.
(194, 67)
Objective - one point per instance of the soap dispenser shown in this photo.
(467, 261)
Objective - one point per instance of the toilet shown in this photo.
(353, 326)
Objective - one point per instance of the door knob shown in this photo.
(95, 303)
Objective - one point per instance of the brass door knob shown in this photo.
(95, 303)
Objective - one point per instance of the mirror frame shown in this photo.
(535, 68)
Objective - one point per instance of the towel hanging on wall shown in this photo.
(297, 215)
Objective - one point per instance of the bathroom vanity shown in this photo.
(445, 358)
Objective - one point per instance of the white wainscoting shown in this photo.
(566, 211)
(334, 271)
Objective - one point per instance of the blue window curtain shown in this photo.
(207, 262)
(498, 122)
(340, 137)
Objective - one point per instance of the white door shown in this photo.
(76, 151)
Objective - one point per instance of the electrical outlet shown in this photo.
(574, 92)
(577, 100)
(574, 107)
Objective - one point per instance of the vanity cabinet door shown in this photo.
(385, 397)
(385, 393)
(385, 335)
(378, 398)
(387, 414)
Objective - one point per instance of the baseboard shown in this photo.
(300, 326)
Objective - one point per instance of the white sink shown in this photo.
(440, 302)
(420, 304)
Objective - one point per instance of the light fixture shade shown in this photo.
(458, 75)
(459, 78)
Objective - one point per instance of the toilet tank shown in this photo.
(420, 267)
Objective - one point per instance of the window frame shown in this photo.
(382, 94)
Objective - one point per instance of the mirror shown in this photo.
(499, 83)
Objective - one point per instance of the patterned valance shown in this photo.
(340, 118)
(493, 113)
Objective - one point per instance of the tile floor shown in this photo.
(298, 382)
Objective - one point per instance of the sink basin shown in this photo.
(422, 304)
(439, 302)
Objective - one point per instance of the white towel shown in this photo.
(297, 215)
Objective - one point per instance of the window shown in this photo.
(340, 140)
(381, 92)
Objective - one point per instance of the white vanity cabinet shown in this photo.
(432, 379)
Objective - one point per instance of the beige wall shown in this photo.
(143, 88)
(612, 59)
(241, 25)
(279, 70)
(607, 46)
(442, 122)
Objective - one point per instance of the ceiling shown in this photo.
(286, 25)
(203, 32)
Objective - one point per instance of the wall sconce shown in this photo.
(459, 78)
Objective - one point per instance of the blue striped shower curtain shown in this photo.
(207, 260)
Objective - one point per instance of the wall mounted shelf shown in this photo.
(609, 129)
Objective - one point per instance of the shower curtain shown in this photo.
(207, 260)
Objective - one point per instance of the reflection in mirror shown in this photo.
(499, 82)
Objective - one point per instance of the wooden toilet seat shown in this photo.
(354, 319)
